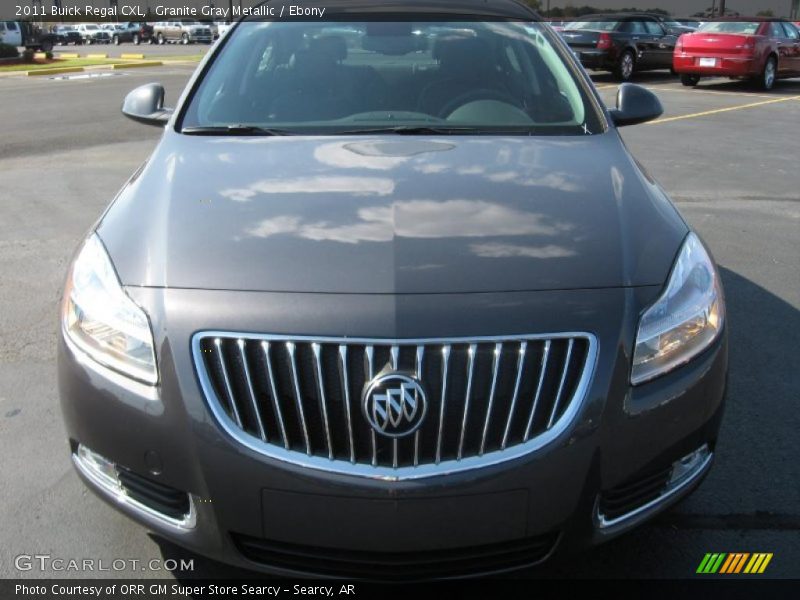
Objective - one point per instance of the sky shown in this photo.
(683, 7)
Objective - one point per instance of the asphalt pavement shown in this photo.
(726, 154)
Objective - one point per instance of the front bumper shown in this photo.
(552, 496)
(726, 66)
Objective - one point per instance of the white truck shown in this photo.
(23, 33)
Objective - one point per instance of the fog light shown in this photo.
(688, 465)
(100, 467)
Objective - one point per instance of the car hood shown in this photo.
(391, 215)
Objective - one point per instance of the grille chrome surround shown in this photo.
(301, 380)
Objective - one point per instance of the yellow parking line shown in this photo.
(723, 110)
(702, 91)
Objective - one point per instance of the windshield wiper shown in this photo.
(234, 130)
(431, 130)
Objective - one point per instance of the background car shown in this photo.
(136, 33)
(693, 23)
(622, 44)
(91, 33)
(67, 34)
(761, 49)
(185, 31)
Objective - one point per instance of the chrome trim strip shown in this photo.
(418, 371)
(498, 352)
(250, 391)
(273, 391)
(403, 473)
(116, 492)
(543, 368)
(564, 371)
(446, 349)
(523, 348)
(228, 388)
(611, 525)
(290, 348)
(369, 353)
(395, 352)
(344, 381)
(470, 369)
(316, 349)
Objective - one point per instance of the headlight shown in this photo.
(102, 321)
(685, 320)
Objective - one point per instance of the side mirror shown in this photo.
(145, 105)
(635, 105)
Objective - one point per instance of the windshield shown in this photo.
(748, 28)
(91, 27)
(359, 77)
(594, 25)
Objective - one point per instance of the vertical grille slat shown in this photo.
(470, 370)
(345, 384)
(369, 369)
(542, 374)
(560, 391)
(290, 348)
(273, 393)
(443, 400)
(304, 397)
(227, 380)
(323, 403)
(498, 353)
(249, 381)
(523, 348)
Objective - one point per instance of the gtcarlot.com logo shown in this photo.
(734, 563)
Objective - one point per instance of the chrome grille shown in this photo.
(300, 399)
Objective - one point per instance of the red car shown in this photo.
(761, 49)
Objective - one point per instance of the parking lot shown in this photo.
(726, 154)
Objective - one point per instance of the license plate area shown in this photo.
(708, 62)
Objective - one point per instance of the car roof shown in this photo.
(619, 16)
(744, 20)
(498, 9)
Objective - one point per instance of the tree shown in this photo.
(765, 13)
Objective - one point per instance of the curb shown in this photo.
(97, 56)
(136, 56)
(54, 71)
(68, 55)
(151, 63)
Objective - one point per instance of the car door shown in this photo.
(793, 48)
(12, 34)
(782, 45)
(661, 43)
(636, 35)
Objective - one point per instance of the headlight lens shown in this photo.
(100, 318)
(685, 320)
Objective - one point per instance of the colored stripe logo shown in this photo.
(733, 563)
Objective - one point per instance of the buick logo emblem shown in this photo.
(395, 404)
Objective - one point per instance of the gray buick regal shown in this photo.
(391, 299)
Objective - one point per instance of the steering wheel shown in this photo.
(478, 94)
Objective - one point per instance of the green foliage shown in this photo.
(8, 51)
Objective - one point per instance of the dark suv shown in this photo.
(622, 43)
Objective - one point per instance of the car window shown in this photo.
(653, 28)
(745, 27)
(775, 30)
(791, 31)
(329, 78)
(633, 27)
(593, 25)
